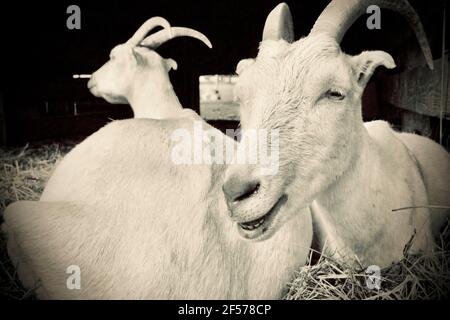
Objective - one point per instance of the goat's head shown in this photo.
(310, 91)
(136, 59)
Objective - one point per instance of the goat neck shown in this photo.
(157, 100)
(361, 200)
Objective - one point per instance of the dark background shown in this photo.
(40, 55)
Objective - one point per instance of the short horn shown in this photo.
(155, 40)
(339, 15)
(148, 25)
(279, 24)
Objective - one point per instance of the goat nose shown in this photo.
(237, 189)
(91, 82)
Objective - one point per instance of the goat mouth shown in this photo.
(94, 91)
(258, 227)
(91, 84)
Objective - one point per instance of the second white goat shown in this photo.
(135, 224)
(137, 75)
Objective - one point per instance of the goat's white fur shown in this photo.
(141, 227)
(351, 174)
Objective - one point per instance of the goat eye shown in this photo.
(335, 95)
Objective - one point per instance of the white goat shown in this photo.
(137, 225)
(351, 174)
(139, 76)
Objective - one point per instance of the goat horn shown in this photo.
(155, 40)
(146, 28)
(279, 24)
(339, 15)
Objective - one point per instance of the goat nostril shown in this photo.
(248, 192)
(236, 190)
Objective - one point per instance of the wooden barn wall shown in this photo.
(419, 89)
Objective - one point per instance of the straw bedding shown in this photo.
(24, 172)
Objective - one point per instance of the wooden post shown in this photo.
(2, 122)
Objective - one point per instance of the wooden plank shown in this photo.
(418, 90)
(2, 122)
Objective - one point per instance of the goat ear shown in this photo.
(243, 64)
(364, 65)
(170, 64)
(139, 55)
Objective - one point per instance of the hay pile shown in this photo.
(24, 171)
(415, 277)
(23, 175)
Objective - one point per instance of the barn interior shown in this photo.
(46, 108)
(40, 100)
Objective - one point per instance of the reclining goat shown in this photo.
(351, 174)
(137, 225)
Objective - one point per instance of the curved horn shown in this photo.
(146, 28)
(279, 24)
(339, 15)
(155, 40)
